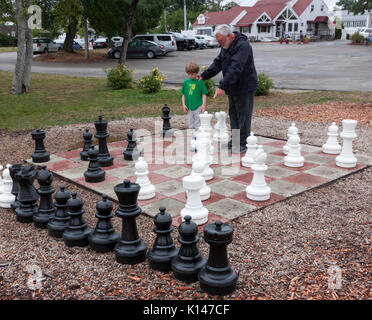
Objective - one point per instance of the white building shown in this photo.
(354, 22)
(275, 18)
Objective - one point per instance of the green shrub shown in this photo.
(153, 82)
(120, 77)
(264, 85)
(357, 38)
(7, 41)
(210, 84)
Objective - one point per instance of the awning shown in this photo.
(243, 25)
(265, 24)
(320, 19)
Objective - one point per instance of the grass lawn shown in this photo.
(58, 100)
(8, 49)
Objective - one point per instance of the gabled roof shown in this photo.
(301, 5)
(222, 17)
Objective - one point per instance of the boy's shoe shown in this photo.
(238, 150)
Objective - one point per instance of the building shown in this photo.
(354, 22)
(272, 19)
(8, 30)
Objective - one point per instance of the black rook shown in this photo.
(40, 154)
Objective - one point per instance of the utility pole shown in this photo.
(184, 13)
(165, 20)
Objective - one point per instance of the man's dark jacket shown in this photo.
(237, 65)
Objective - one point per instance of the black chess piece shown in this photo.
(104, 157)
(131, 152)
(88, 142)
(187, 264)
(167, 129)
(46, 207)
(130, 249)
(217, 277)
(94, 172)
(78, 231)
(164, 250)
(60, 221)
(15, 168)
(104, 237)
(27, 195)
(40, 154)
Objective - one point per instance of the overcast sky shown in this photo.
(329, 3)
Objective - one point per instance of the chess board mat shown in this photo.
(169, 160)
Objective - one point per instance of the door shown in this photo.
(316, 29)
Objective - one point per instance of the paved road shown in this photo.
(324, 65)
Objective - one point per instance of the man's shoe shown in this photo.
(241, 149)
(227, 145)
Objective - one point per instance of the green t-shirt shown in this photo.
(193, 90)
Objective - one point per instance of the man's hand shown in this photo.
(185, 110)
(219, 93)
(200, 77)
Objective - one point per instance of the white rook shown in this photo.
(347, 159)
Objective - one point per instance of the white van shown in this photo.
(365, 32)
(167, 40)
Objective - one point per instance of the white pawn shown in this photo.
(251, 145)
(347, 159)
(258, 190)
(7, 198)
(197, 169)
(203, 155)
(332, 146)
(292, 131)
(205, 121)
(194, 207)
(1, 180)
(147, 190)
(294, 158)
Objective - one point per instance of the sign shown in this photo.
(201, 19)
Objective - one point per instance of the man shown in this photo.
(239, 82)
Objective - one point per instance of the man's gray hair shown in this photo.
(223, 30)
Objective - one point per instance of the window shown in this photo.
(246, 29)
(312, 8)
(263, 29)
(164, 38)
(289, 26)
(13, 34)
(295, 27)
(322, 7)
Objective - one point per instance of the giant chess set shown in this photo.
(201, 183)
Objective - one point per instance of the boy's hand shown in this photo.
(185, 110)
(203, 108)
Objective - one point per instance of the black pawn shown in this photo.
(164, 250)
(131, 152)
(187, 264)
(88, 142)
(130, 249)
(78, 231)
(27, 195)
(40, 154)
(167, 129)
(94, 172)
(60, 221)
(46, 207)
(217, 277)
(15, 168)
(104, 157)
(104, 237)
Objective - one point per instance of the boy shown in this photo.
(194, 96)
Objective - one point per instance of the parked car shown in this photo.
(166, 40)
(100, 43)
(45, 45)
(81, 42)
(212, 41)
(180, 40)
(190, 42)
(75, 45)
(365, 32)
(117, 41)
(201, 42)
(139, 48)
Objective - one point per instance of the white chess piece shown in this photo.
(203, 136)
(251, 145)
(1, 180)
(332, 146)
(294, 158)
(7, 198)
(205, 121)
(203, 155)
(221, 134)
(258, 190)
(292, 131)
(347, 159)
(147, 190)
(194, 207)
(205, 191)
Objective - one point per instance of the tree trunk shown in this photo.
(22, 72)
(86, 30)
(70, 36)
(128, 32)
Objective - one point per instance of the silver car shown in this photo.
(167, 40)
(45, 45)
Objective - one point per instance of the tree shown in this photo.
(355, 6)
(7, 12)
(229, 5)
(22, 73)
(175, 20)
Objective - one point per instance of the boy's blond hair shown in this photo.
(192, 67)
